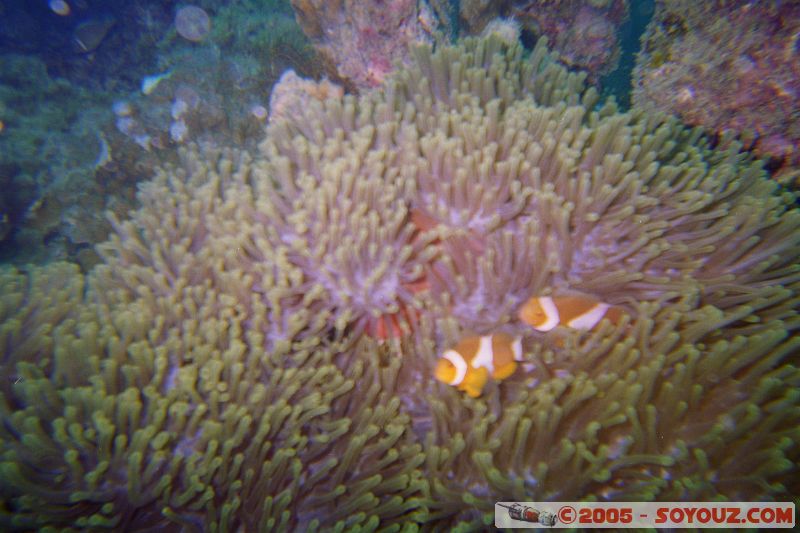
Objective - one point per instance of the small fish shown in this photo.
(469, 364)
(149, 83)
(89, 34)
(104, 157)
(60, 7)
(544, 313)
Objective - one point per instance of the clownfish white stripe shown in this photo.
(458, 363)
(551, 312)
(590, 318)
(516, 348)
(485, 354)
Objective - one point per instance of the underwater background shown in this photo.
(262, 263)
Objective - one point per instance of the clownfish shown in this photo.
(544, 313)
(469, 364)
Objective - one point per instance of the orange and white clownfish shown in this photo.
(544, 313)
(469, 364)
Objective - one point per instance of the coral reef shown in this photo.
(265, 30)
(727, 66)
(291, 94)
(508, 29)
(209, 88)
(102, 45)
(49, 148)
(361, 41)
(219, 369)
(475, 15)
(81, 127)
(582, 33)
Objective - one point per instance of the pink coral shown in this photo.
(362, 39)
(727, 66)
(584, 36)
(291, 94)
